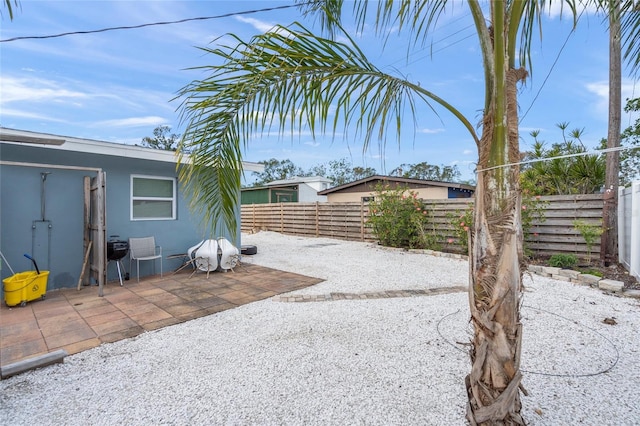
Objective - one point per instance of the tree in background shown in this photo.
(362, 172)
(275, 169)
(162, 139)
(580, 174)
(341, 171)
(630, 158)
(428, 171)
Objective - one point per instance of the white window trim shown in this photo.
(173, 199)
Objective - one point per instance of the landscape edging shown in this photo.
(568, 275)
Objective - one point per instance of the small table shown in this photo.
(186, 261)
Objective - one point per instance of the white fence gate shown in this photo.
(629, 228)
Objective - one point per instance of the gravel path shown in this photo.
(375, 361)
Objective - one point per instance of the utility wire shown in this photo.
(551, 69)
(579, 154)
(130, 27)
(535, 98)
(434, 43)
(614, 362)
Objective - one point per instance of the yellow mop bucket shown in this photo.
(24, 287)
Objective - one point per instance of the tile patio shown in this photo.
(79, 320)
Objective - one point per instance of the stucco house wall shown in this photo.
(57, 241)
(305, 190)
(424, 193)
(308, 194)
(364, 189)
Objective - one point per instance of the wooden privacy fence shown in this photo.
(348, 221)
(629, 228)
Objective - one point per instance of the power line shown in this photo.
(579, 154)
(547, 77)
(434, 43)
(130, 27)
(614, 362)
(551, 69)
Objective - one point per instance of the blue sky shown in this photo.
(118, 85)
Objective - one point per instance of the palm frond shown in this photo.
(627, 12)
(9, 8)
(289, 79)
(630, 32)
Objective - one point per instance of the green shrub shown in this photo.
(593, 272)
(399, 219)
(462, 223)
(533, 210)
(563, 260)
(590, 233)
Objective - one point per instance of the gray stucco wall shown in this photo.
(57, 243)
(307, 194)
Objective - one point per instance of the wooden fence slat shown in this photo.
(556, 234)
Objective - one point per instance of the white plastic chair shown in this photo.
(230, 255)
(206, 255)
(144, 249)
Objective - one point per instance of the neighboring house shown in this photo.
(364, 189)
(51, 211)
(295, 190)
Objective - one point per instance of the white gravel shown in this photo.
(374, 361)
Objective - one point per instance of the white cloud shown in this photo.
(312, 143)
(467, 152)
(35, 90)
(132, 122)
(7, 112)
(34, 96)
(601, 91)
(259, 25)
(559, 9)
(430, 131)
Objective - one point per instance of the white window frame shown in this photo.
(173, 199)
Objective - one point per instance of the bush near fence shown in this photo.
(347, 221)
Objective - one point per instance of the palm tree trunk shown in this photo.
(609, 237)
(495, 271)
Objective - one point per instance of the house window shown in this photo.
(153, 198)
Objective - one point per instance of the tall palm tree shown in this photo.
(290, 77)
(609, 237)
(623, 22)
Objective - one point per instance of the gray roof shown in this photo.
(298, 179)
(396, 179)
(67, 143)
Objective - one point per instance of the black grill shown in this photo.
(116, 250)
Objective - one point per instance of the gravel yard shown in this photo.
(374, 361)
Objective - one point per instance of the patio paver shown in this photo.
(79, 320)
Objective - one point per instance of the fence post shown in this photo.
(317, 219)
(622, 234)
(634, 262)
(361, 219)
